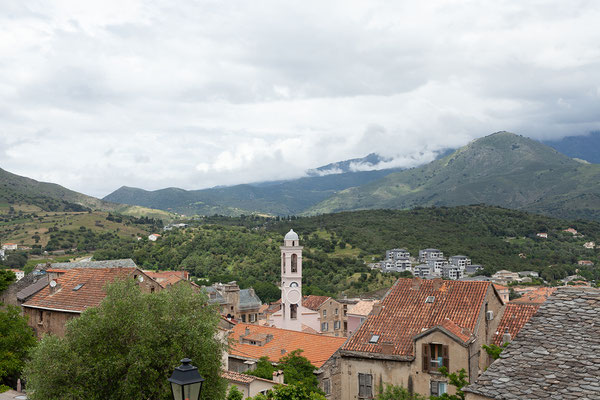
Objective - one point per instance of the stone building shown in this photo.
(69, 292)
(554, 356)
(239, 304)
(333, 321)
(419, 326)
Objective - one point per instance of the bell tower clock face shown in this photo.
(294, 296)
(294, 284)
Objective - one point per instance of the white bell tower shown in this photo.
(291, 281)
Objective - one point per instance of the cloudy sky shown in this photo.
(96, 95)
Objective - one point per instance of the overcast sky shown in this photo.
(96, 95)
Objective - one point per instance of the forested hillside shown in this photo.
(336, 246)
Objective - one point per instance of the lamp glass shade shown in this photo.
(186, 382)
(186, 392)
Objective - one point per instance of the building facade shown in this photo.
(420, 326)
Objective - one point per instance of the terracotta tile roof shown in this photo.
(515, 316)
(314, 302)
(243, 378)
(89, 295)
(237, 377)
(537, 296)
(363, 307)
(405, 313)
(462, 333)
(500, 287)
(317, 348)
(166, 278)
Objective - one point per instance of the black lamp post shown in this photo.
(186, 382)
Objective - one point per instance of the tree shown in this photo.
(456, 379)
(395, 392)
(234, 393)
(127, 347)
(494, 350)
(290, 392)
(264, 369)
(6, 278)
(16, 338)
(299, 371)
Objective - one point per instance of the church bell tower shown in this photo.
(291, 280)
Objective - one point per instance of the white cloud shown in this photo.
(198, 94)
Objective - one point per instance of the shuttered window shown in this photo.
(365, 386)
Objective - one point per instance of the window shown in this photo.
(336, 325)
(324, 313)
(435, 356)
(324, 327)
(438, 388)
(40, 317)
(243, 317)
(374, 339)
(365, 386)
(252, 317)
(430, 299)
(293, 311)
(336, 311)
(294, 263)
(327, 386)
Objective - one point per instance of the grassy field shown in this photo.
(24, 230)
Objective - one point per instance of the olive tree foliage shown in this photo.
(395, 392)
(290, 392)
(128, 346)
(16, 338)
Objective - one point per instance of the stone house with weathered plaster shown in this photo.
(420, 326)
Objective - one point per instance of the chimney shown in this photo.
(376, 309)
(247, 331)
(416, 283)
(278, 376)
(437, 283)
(54, 286)
(387, 347)
(506, 336)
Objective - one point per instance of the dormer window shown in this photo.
(76, 288)
(374, 339)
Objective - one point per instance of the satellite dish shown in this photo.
(52, 283)
(141, 278)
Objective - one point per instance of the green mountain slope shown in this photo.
(27, 192)
(502, 169)
(274, 198)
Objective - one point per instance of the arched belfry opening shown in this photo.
(294, 263)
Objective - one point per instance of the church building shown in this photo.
(293, 315)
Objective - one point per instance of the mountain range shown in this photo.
(585, 147)
(501, 169)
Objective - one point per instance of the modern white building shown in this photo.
(397, 254)
(460, 261)
(427, 254)
(293, 315)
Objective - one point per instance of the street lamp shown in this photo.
(186, 382)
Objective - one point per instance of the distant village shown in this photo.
(440, 317)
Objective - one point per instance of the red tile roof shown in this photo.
(514, 317)
(243, 378)
(462, 333)
(166, 278)
(89, 295)
(317, 348)
(405, 314)
(537, 296)
(314, 302)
